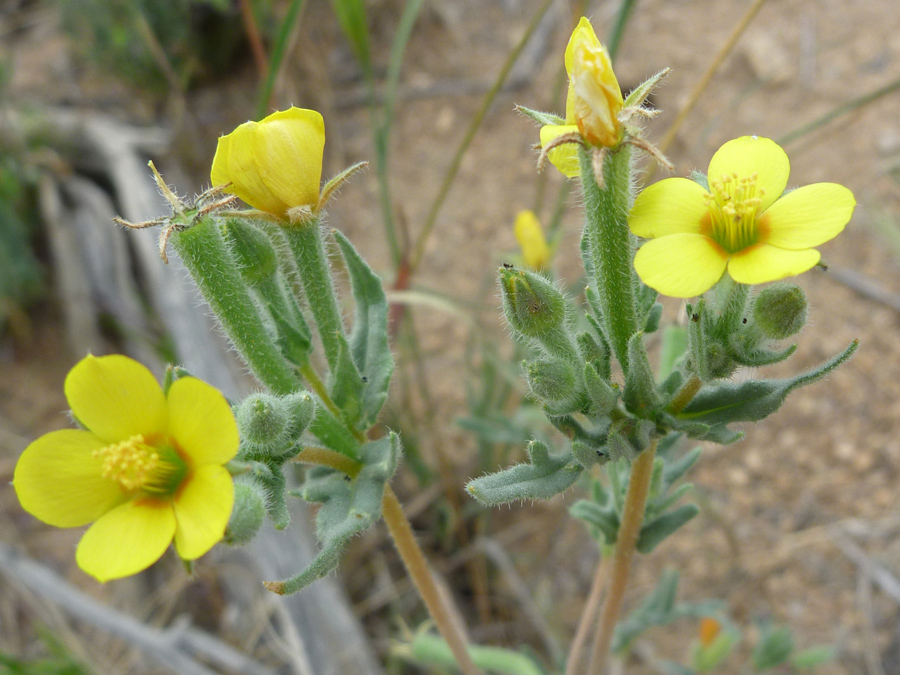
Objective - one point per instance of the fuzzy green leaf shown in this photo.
(369, 336)
(755, 399)
(544, 477)
(654, 532)
(349, 506)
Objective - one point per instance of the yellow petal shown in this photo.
(116, 397)
(583, 34)
(671, 206)
(762, 262)
(750, 155)
(220, 174)
(563, 157)
(202, 510)
(680, 265)
(127, 540)
(289, 155)
(531, 240)
(244, 171)
(807, 216)
(201, 424)
(58, 481)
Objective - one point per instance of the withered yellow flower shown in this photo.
(593, 101)
(274, 165)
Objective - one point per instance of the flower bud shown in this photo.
(263, 422)
(530, 236)
(533, 306)
(594, 99)
(274, 165)
(552, 381)
(301, 409)
(248, 512)
(780, 311)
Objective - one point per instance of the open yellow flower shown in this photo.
(593, 102)
(535, 252)
(274, 165)
(147, 469)
(745, 223)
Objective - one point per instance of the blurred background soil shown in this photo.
(799, 521)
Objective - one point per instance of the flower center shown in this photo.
(135, 465)
(733, 205)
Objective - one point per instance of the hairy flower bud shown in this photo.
(780, 311)
(594, 99)
(248, 512)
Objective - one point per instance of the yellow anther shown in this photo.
(129, 463)
(733, 205)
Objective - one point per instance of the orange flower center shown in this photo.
(733, 205)
(135, 465)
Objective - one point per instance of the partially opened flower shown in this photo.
(535, 251)
(274, 165)
(745, 223)
(593, 102)
(146, 470)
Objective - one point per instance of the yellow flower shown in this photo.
(745, 223)
(147, 468)
(274, 165)
(530, 236)
(593, 102)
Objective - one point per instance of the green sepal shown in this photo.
(639, 394)
(369, 336)
(542, 118)
(349, 506)
(545, 476)
(640, 93)
(654, 532)
(601, 394)
(753, 400)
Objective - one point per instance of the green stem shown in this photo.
(307, 244)
(626, 541)
(209, 262)
(610, 245)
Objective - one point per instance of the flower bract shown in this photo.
(146, 469)
(274, 165)
(535, 251)
(593, 101)
(744, 223)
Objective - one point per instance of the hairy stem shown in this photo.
(417, 568)
(629, 530)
